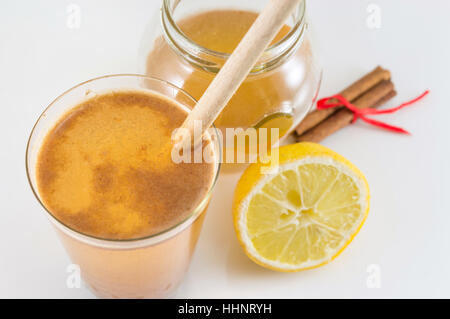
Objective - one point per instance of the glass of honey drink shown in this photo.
(197, 37)
(100, 162)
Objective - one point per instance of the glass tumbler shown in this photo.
(150, 267)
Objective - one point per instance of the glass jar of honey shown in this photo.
(197, 37)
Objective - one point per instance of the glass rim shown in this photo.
(140, 241)
(276, 48)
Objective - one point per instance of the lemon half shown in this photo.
(303, 216)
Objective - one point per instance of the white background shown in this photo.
(407, 233)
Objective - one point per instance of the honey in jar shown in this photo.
(279, 90)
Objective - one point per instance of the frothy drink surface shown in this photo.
(106, 170)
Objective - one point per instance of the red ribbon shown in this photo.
(361, 113)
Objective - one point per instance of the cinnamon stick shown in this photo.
(351, 93)
(375, 97)
(385, 98)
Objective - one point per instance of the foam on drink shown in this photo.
(105, 169)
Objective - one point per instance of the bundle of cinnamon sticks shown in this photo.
(371, 91)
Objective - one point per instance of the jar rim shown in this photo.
(181, 42)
